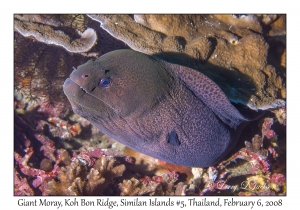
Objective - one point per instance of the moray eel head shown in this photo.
(121, 83)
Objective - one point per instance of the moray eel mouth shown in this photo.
(84, 103)
(73, 91)
(80, 100)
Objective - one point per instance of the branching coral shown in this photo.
(157, 185)
(131, 187)
(79, 179)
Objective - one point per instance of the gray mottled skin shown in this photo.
(164, 110)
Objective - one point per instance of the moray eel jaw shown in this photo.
(73, 92)
(83, 103)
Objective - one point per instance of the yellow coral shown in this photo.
(129, 187)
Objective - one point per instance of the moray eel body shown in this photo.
(164, 110)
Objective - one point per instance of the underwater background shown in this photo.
(59, 153)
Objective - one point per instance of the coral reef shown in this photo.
(236, 47)
(59, 153)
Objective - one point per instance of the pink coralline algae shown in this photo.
(48, 146)
(31, 144)
(270, 133)
(69, 130)
(277, 178)
(254, 154)
(266, 128)
(21, 185)
(88, 157)
(41, 176)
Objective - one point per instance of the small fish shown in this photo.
(167, 111)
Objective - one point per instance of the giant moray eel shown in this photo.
(164, 110)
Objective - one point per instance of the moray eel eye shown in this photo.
(105, 82)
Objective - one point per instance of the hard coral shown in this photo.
(157, 185)
(45, 33)
(80, 179)
(232, 50)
